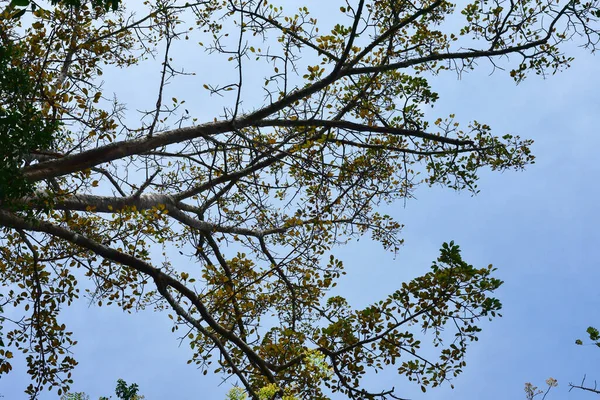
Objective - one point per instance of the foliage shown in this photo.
(122, 391)
(125, 392)
(236, 393)
(268, 392)
(17, 8)
(532, 391)
(593, 334)
(23, 128)
(75, 396)
(230, 223)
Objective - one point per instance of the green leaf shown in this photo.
(19, 13)
(593, 332)
(19, 3)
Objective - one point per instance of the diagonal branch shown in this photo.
(161, 279)
(353, 126)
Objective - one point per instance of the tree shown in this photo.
(533, 391)
(23, 128)
(75, 396)
(17, 8)
(122, 391)
(231, 223)
(127, 392)
(594, 336)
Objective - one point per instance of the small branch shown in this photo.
(585, 388)
(353, 126)
(148, 181)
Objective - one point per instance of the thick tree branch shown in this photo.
(161, 279)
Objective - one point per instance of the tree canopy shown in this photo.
(123, 391)
(23, 128)
(230, 224)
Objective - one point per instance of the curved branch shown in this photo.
(161, 279)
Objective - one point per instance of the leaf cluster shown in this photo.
(23, 128)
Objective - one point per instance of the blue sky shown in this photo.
(538, 227)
